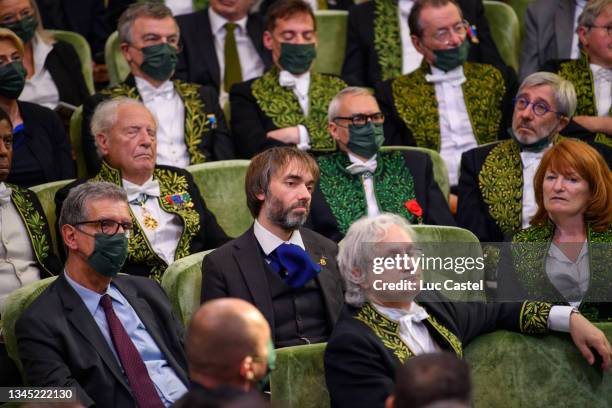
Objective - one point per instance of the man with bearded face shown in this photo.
(359, 180)
(191, 124)
(496, 196)
(288, 104)
(288, 272)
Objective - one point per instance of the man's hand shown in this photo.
(595, 124)
(289, 135)
(587, 336)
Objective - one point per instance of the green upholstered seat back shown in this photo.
(514, 370)
(46, 195)
(81, 46)
(13, 307)
(182, 282)
(505, 31)
(76, 140)
(439, 167)
(520, 7)
(299, 378)
(331, 35)
(117, 66)
(222, 187)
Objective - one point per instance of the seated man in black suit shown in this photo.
(170, 217)
(378, 45)
(358, 180)
(222, 32)
(191, 125)
(289, 273)
(496, 196)
(380, 327)
(113, 337)
(288, 104)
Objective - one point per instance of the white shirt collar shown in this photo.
(302, 82)
(396, 314)
(124, 182)
(354, 159)
(148, 92)
(269, 242)
(41, 50)
(217, 22)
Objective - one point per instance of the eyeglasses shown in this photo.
(608, 28)
(444, 35)
(110, 227)
(13, 18)
(362, 119)
(538, 108)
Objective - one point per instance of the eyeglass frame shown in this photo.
(464, 23)
(533, 106)
(368, 118)
(608, 28)
(127, 227)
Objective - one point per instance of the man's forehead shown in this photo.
(108, 208)
(150, 25)
(352, 104)
(134, 115)
(437, 16)
(542, 92)
(294, 168)
(295, 22)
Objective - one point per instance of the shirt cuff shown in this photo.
(304, 138)
(559, 318)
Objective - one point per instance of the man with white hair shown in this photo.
(170, 217)
(380, 329)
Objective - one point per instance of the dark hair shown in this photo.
(282, 9)
(415, 13)
(429, 378)
(266, 164)
(5, 116)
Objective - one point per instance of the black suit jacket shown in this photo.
(428, 195)
(237, 270)
(216, 144)
(331, 5)
(64, 66)
(198, 61)
(360, 369)
(60, 344)
(361, 66)
(47, 141)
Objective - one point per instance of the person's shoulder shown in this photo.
(481, 152)
(319, 239)
(48, 301)
(35, 110)
(244, 87)
(231, 246)
(63, 48)
(194, 19)
(172, 170)
(363, 10)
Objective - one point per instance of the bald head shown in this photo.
(226, 339)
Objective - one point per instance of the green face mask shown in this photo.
(297, 58)
(263, 382)
(12, 79)
(25, 28)
(452, 57)
(366, 140)
(536, 146)
(109, 255)
(159, 61)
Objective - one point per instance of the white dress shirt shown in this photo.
(17, 261)
(575, 52)
(299, 84)
(360, 166)
(570, 278)
(251, 64)
(40, 89)
(169, 111)
(456, 134)
(531, 161)
(165, 238)
(602, 79)
(411, 58)
(269, 242)
(179, 7)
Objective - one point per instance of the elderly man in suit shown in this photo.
(191, 125)
(222, 45)
(289, 273)
(112, 337)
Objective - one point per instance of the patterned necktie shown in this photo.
(233, 71)
(293, 265)
(136, 372)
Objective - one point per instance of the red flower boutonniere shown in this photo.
(415, 209)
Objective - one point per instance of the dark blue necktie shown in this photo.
(296, 262)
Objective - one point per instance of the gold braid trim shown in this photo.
(449, 336)
(387, 40)
(283, 108)
(416, 103)
(501, 184)
(534, 317)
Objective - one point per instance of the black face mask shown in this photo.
(12, 79)
(24, 28)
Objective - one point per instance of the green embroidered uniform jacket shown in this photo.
(200, 228)
(526, 277)
(261, 105)
(206, 134)
(39, 235)
(411, 108)
(365, 347)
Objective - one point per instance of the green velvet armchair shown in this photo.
(331, 33)
(76, 140)
(81, 46)
(505, 31)
(117, 66)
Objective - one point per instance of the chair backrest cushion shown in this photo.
(505, 31)
(331, 33)
(117, 66)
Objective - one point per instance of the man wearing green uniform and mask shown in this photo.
(359, 181)
(111, 337)
(288, 104)
(191, 125)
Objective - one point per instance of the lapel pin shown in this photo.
(323, 261)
